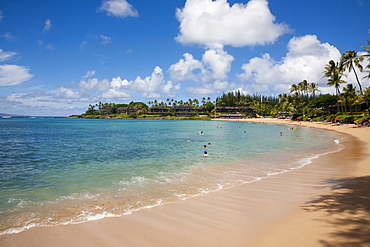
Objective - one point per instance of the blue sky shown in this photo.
(57, 57)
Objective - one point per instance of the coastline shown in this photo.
(289, 209)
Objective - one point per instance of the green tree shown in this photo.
(313, 88)
(333, 71)
(349, 61)
(294, 89)
(303, 87)
(367, 57)
(350, 96)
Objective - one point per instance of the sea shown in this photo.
(56, 171)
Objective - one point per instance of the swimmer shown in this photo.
(281, 134)
(205, 153)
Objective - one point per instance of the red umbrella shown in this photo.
(336, 118)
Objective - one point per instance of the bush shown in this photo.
(363, 119)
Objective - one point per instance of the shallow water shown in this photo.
(59, 171)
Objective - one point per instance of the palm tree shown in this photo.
(294, 89)
(312, 88)
(333, 72)
(349, 60)
(350, 96)
(303, 87)
(367, 55)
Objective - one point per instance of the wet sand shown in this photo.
(326, 203)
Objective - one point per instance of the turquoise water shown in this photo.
(58, 171)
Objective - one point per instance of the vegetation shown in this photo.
(302, 101)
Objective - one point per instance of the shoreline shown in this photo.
(252, 214)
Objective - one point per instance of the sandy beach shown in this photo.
(326, 203)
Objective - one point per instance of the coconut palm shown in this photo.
(367, 56)
(294, 89)
(303, 87)
(350, 97)
(313, 88)
(333, 71)
(349, 61)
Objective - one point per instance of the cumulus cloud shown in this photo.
(47, 25)
(210, 23)
(94, 84)
(67, 93)
(5, 55)
(11, 75)
(184, 68)
(118, 8)
(209, 74)
(152, 86)
(305, 60)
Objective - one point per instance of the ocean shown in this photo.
(63, 171)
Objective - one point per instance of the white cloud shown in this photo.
(67, 93)
(183, 69)
(106, 39)
(89, 74)
(11, 75)
(305, 60)
(7, 36)
(219, 63)
(210, 23)
(47, 25)
(93, 84)
(62, 103)
(119, 89)
(152, 86)
(1, 16)
(5, 55)
(118, 8)
(209, 74)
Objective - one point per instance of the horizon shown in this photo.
(58, 57)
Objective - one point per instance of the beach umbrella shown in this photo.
(337, 118)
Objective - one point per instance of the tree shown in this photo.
(350, 96)
(367, 56)
(333, 71)
(303, 87)
(348, 62)
(294, 89)
(312, 88)
(323, 101)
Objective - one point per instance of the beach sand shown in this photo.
(326, 203)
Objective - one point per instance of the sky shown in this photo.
(57, 57)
